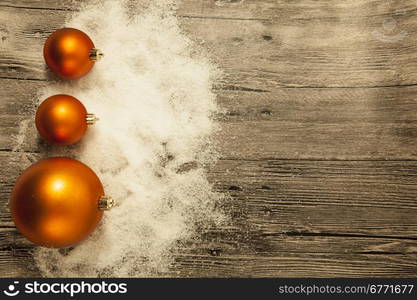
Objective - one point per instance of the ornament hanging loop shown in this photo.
(106, 203)
(96, 54)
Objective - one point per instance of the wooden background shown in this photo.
(319, 144)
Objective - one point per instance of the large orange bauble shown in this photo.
(55, 202)
(70, 53)
(61, 119)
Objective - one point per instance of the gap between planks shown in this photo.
(294, 234)
(246, 89)
(266, 158)
(180, 16)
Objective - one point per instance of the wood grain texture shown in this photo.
(372, 124)
(318, 140)
(300, 196)
(329, 48)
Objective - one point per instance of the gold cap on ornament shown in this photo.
(96, 54)
(106, 203)
(91, 119)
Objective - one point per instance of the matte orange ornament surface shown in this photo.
(61, 119)
(54, 202)
(67, 53)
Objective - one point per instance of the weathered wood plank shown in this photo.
(43, 5)
(220, 254)
(315, 197)
(252, 9)
(309, 265)
(332, 51)
(374, 124)
(240, 251)
(19, 263)
(320, 123)
(231, 240)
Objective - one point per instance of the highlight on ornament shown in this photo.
(63, 120)
(70, 53)
(58, 202)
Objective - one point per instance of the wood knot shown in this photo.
(215, 252)
(4, 34)
(266, 112)
(235, 188)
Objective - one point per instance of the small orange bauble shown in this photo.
(57, 202)
(70, 53)
(62, 119)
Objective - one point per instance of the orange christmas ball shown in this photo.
(70, 53)
(62, 119)
(56, 202)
